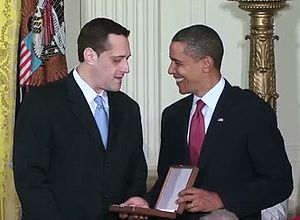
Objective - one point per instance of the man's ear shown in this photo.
(208, 63)
(89, 56)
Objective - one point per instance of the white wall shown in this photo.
(288, 87)
(73, 25)
(153, 23)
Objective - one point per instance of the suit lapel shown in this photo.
(182, 123)
(115, 119)
(81, 108)
(216, 128)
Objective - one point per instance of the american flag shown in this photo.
(29, 63)
(25, 64)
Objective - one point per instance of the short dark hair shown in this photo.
(94, 34)
(201, 41)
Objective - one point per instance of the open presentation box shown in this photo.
(178, 179)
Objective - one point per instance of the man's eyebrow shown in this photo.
(176, 60)
(121, 56)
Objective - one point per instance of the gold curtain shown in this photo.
(9, 34)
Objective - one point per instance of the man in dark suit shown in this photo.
(64, 168)
(243, 166)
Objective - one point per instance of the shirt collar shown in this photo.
(212, 96)
(88, 92)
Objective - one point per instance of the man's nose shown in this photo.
(171, 69)
(125, 67)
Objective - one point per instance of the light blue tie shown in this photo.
(101, 118)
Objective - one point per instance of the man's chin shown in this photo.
(183, 92)
(115, 88)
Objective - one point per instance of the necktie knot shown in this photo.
(200, 105)
(99, 101)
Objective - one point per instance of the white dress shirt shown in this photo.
(210, 99)
(90, 94)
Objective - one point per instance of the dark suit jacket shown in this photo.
(243, 157)
(61, 168)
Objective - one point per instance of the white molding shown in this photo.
(197, 11)
(87, 11)
(293, 153)
(293, 207)
(143, 84)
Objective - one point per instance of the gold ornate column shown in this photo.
(262, 75)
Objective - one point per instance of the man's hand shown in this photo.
(134, 201)
(199, 200)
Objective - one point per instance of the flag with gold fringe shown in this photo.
(9, 37)
(42, 42)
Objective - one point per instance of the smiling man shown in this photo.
(229, 133)
(78, 142)
(243, 166)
